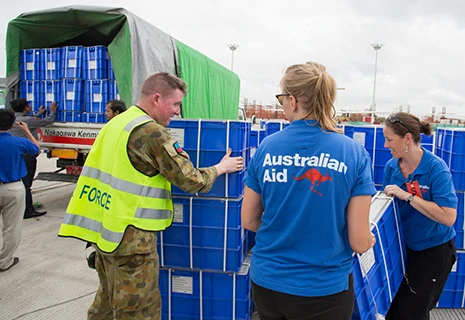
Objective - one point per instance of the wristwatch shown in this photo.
(410, 198)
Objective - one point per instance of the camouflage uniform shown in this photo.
(129, 275)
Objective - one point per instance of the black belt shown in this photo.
(9, 182)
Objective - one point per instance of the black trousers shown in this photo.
(273, 305)
(31, 165)
(425, 277)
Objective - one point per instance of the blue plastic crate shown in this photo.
(71, 62)
(207, 212)
(256, 137)
(111, 73)
(202, 258)
(206, 143)
(372, 138)
(30, 64)
(51, 64)
(427, 142)
(459, 224)
(188, 294)
(200, 222)
(68, 116)
(453, 295)
(113, 93)
(51, 92)
(72, 95)
(379, 272)
(95, 63)
(273, 127)
(203, 236)
(32, 91)
(93, 117)
(96, 96)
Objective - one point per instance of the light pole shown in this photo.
(232, 47)
(377, 47)
(337, 95)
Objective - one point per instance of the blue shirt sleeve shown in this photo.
(27, 147)
(442, 187)
(364, 184)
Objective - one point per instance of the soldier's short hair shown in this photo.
(162, 83)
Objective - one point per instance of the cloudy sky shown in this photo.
(421, 64)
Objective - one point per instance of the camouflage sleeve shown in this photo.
(152, 150)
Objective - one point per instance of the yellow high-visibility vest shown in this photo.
(111, 194)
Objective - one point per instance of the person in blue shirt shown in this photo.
(308, 194)
(22, 109)
(428, 209)
(12, 191)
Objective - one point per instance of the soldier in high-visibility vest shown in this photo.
(123, 197)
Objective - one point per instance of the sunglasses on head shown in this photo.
(394, 119)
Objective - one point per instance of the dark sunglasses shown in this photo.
(394, 119)
(280, 97)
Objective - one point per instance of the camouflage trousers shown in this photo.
(128, 288)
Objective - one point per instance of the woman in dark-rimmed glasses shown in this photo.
(428, 205)
(308, 193)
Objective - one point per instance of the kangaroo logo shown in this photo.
(315, 178)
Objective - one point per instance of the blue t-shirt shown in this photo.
(434, 180)
(13, 167)
(306, 178)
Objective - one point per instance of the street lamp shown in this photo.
(232, 47)
(337, 95)
(377, 47)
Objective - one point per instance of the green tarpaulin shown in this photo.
(137, 49)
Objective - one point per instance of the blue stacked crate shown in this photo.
(206, 234)
(113, 93)
(71, 61)
(195, 294)
(273, 127)
(459, 224)
(206, 142)
(111, 73)
(372, 138)
(71, 100)
(51, 92)
(72, 85)
(95, 63)
(30, 64)
(428, 142)
(96, 100)
(450, 146)
(51, 64)
(379, 272)
(32, 91)
(453, 295)
(256, 137)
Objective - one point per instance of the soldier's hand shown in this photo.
(230, 164)
(53, 106)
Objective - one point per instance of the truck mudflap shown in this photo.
(57, 176)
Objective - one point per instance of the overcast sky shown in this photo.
(421, 64)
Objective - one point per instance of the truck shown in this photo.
(136, 49)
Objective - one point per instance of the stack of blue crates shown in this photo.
(273, 127)
(194, 294)
(372, 138)
(76, 77)
(31, 72)
(379, 272)
(206, 238)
